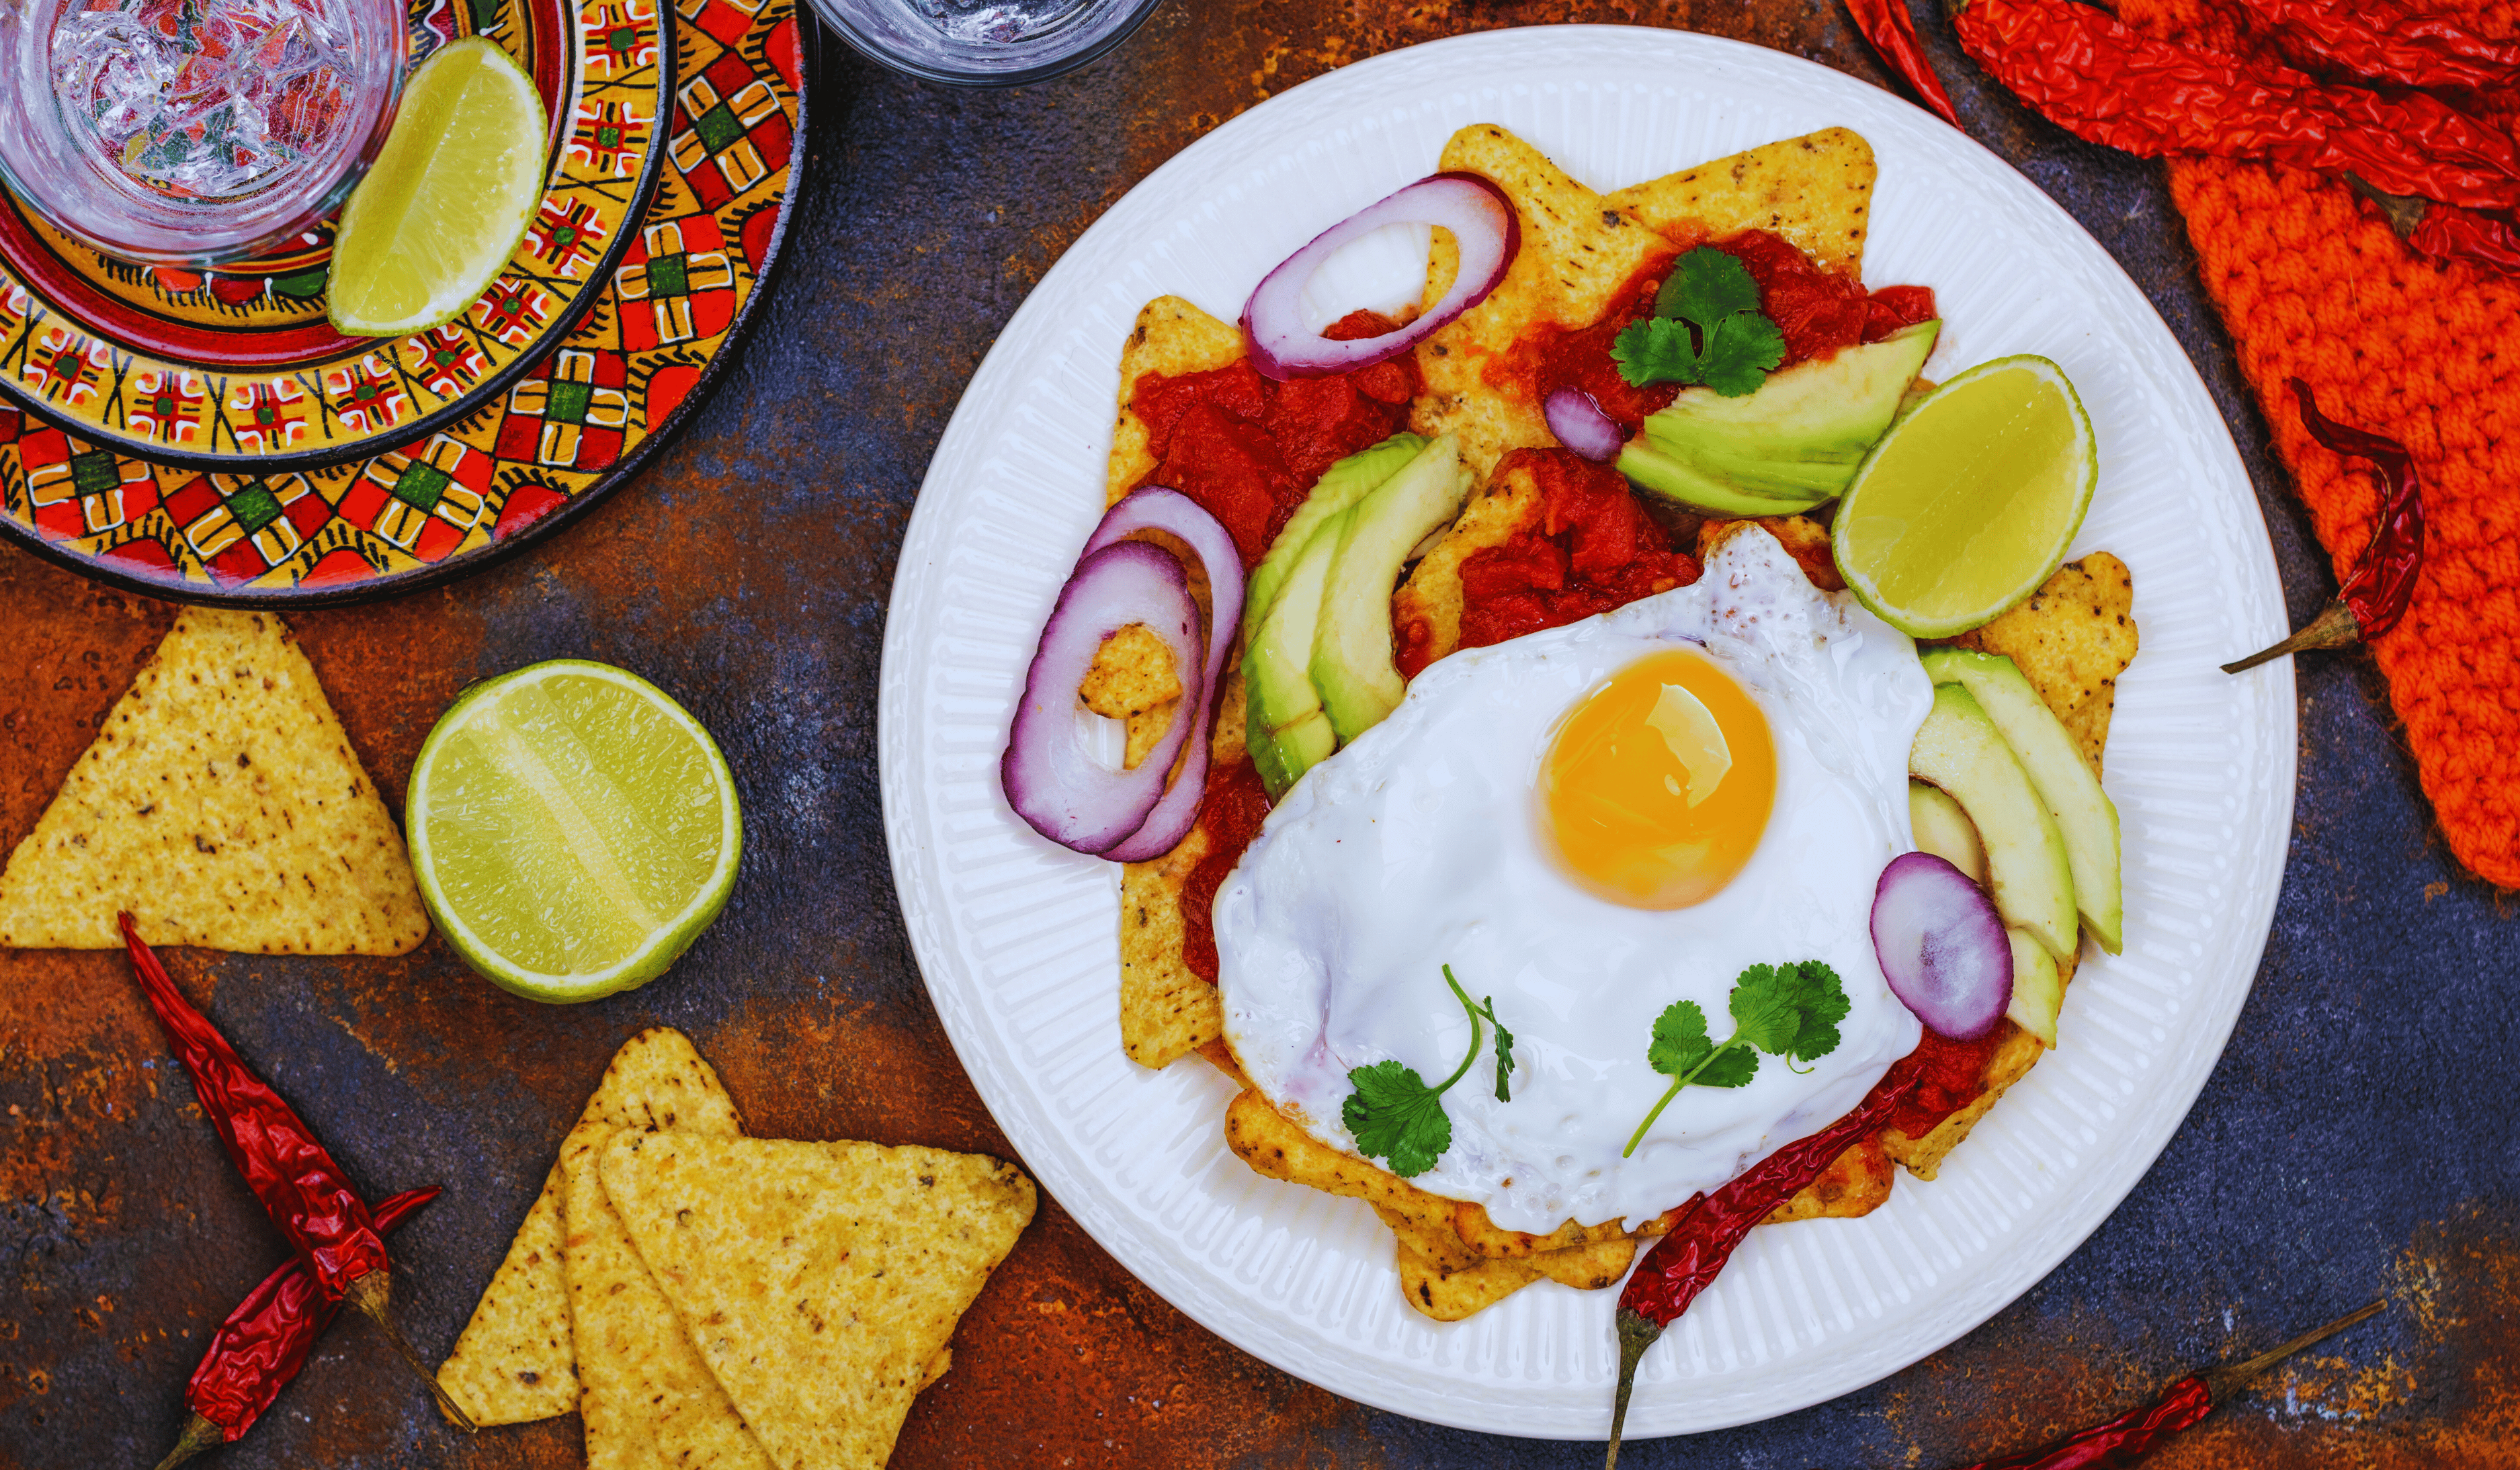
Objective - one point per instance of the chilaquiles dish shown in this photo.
(1549, 753)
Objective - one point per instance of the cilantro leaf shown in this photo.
(1789, 1011)
(1706, 328)
(1740, 352)
(1732, 1067)
(1399, 1119)
(1709, 286)
(1396, 1117)
(1504, 1047)
(1655, 350)
(1680, 1039)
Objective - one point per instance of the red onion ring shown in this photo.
(1575, 416)
(1157, 508)
(1051, 779)
(1942, 946)
(1482, 221)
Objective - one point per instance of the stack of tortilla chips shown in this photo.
(703, 1298)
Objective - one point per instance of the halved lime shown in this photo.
(448, 197)
(1969, 501)
(573, 830)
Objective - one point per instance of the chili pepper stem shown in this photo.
(2220, 1383)
(2335, 626)
(199, 1433)
(1637, 1332)
(373, 1294)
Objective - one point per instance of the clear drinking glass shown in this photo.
(187, 132)
(983, 43)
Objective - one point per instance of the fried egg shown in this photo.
(1589, 823)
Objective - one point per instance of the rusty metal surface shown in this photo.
(2354, 1139)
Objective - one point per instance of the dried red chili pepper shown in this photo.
(263, 1342)
(2445, 232)
(1705, 1231)
(2371, 40)
(304, 1191)
(2103, 81)
(2130, 1435)
(2376, 591)
(1892, 31)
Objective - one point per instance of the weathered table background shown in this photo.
(2354, 1140)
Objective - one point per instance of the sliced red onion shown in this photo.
(1157, 508)
(1575, 416)
(1942, 946)
(1478, 212)
(1051, 780)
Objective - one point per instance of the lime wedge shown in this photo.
(573, 830)
(447, 199)
(1969, 501)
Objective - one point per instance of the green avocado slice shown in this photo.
(1351, 665)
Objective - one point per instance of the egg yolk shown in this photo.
(1659, 783)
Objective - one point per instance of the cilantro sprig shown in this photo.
(1706, 328)
(1399, 1119)
(1787, 1010)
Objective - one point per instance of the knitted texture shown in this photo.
(2313, 284)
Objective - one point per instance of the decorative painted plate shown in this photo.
(1020, 942)
(397, 465)
(235, 367)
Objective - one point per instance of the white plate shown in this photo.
(1018, 938)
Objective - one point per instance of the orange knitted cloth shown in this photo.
(2314, 284)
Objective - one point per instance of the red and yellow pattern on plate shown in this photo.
(404, 492)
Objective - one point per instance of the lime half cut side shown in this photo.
(573, 828)
(447, 198)
(1968, 503)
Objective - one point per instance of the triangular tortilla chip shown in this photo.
(648, 1401)
(222, 806)
(1578, 249)
(515, 1361)
(819, 1279)
(1815, 191)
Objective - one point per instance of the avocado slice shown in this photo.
(1683, 484)
(2038, 987)
(1800, 437)
(1351, 663)
(1959, 749)
(2084, 815)
(1341, 486)
(1284, 726)
(1945, 830)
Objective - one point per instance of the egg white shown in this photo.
(1419, 846)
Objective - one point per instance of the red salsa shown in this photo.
(1249, 450)
(1950, 1076)
(1231, 811)
(1593, 550)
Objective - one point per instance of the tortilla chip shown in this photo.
(1273, 1144)
(2012, 1059)
(1431, 598)
(1450, 1293)
(818, 1279)
(1577, 250)
(650, 1400)
(222, 806)
(1172, 337)
(1856, 1183)
(515, 1361)
(1588, 1267)
(1815, 191)
(1471, 1222)
(1167, 1011)
(2072, 638)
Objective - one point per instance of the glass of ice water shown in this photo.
(193, 131)
(983, 43)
